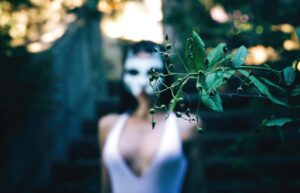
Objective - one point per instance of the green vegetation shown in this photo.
(215, 68)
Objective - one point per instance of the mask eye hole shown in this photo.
(132, 72)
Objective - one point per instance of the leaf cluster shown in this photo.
(212, 69)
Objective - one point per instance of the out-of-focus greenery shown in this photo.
(35, 21)
(215, 68)
(264, 25)
(28, 27)
(266, 28)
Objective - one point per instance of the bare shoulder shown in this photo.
(188, 129)
(105, 124)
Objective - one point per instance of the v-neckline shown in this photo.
(154, 159)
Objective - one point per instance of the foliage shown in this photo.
(213, 69)
(249, 23)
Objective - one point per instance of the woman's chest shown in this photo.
(138, 143)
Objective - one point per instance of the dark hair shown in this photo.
(142, 46)
(127, 100)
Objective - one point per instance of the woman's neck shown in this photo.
(142, 108)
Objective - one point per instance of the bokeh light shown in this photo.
(218, 14)
(43, 23)
(135, 21)
(260, 54)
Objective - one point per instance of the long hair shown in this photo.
(128, 103)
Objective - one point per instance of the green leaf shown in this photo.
(240, 56)
(200, 53)
(215, 54)
(264, 89)
(279, 121)
(195, 53)
(274, 85)
(215, 80)
(298, 33)
(229, 73)
(289, 75)
(228, 57)
(296, 90)
(212, 102)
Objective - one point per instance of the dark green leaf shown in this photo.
(274, 85)
(279, 121)
(289, 74)
(264, 89)
(296, 90)
(228, 57)
(229, 73)
(215, 80)
(215, 55)
(200, 53)
(298, 33)
(240, 56)
(195, 53)
(212, 102)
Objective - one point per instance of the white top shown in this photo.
(164, 175)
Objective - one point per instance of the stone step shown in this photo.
(225, 144)
(76, 171)
(237, 120)
(260, 185)
(229, 121)
(84, 149)
(257, 143)
(277, 167)
(83, 186)
(217, 168)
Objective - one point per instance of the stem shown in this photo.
(173, 73)
(254, 67)
(163, 84)
(178, 91)
(242, 95)
(243, 81)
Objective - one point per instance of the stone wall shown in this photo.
(77, 83)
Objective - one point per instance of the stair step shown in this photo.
(76, 171)
(229, 121)
(276, 166)
(85, 186)
(265, 185)
(238, 120)
(84, 149)
(250, 144)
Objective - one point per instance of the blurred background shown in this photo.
(60, 70)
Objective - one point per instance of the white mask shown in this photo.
(138, 71)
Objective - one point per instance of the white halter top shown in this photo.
(164, 175)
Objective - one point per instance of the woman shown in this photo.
(137, 158)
